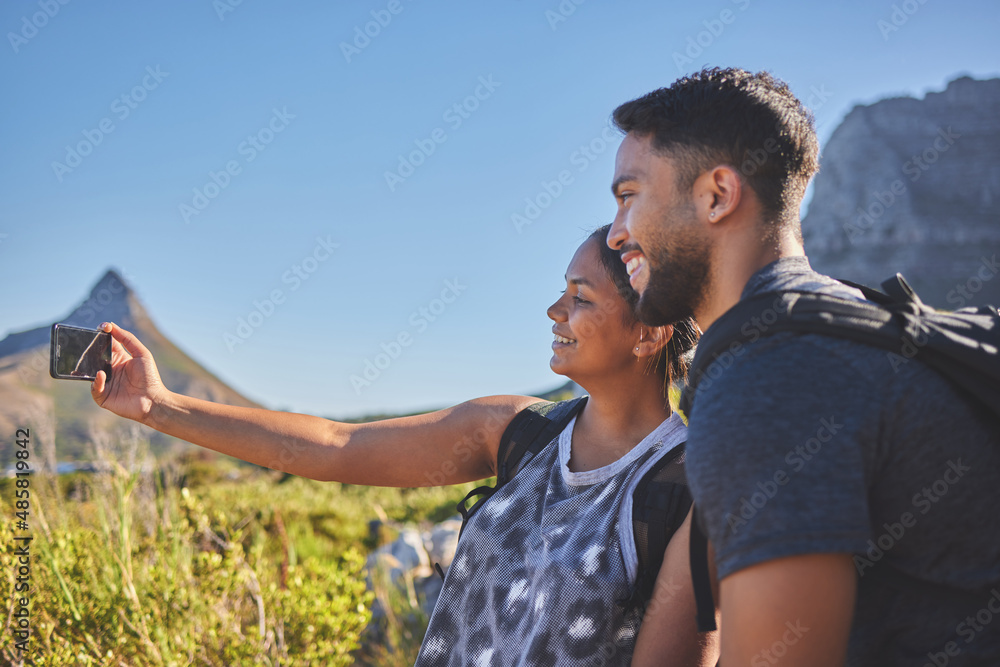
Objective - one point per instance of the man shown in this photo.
(851, 505)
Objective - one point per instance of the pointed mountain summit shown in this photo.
(110, 300)
(62, 412)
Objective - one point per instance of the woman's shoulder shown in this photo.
(487, 418)
(499, 408)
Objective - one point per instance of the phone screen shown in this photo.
(79, 353)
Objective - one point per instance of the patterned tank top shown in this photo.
(543, 568)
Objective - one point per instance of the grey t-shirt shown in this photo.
(812, 444)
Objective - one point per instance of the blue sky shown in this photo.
(235, 152)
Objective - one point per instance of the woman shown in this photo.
(530, 595)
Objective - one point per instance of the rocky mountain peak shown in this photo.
(110, 280)
(65, 416)
(913, 185)
(110, 300)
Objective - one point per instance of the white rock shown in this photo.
(442, 540)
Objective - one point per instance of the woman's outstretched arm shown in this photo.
(449, 446)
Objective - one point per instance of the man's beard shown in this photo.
(678, 271)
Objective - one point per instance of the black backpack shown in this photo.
(963, 345)
(660, 502)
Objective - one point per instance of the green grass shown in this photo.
(232, 568)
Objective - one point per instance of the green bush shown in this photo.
(197, 585)
(129, 569)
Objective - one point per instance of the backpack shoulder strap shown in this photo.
(871, 293)
(531, 430)
(660, 504)
(528, 433)
(898, 290)
(700, 579)
(961, 345)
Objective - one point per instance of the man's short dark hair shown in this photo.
(752, 122)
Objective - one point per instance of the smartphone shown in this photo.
(77, 354)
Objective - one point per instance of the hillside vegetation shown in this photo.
(208, 562)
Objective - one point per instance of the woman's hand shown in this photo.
(135, 384)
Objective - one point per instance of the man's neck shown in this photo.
(736, 257)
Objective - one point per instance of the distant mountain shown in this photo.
(60, 413)
(913, 185)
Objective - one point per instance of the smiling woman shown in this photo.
(547, 571)
(597, 287)
(586, 344)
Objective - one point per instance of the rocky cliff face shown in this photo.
(913, 186)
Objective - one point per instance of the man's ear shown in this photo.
(652, 340)
(718, 193)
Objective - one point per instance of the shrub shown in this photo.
(136, 565)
